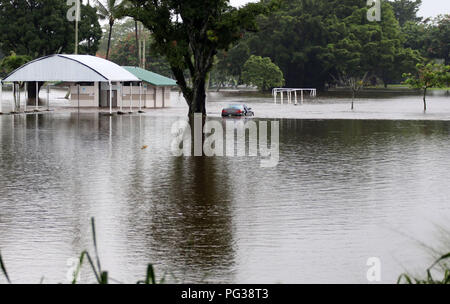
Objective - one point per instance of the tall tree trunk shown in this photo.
(425, 99)
(197, 104)
(109, 40)
(353, 99)
(138, 49)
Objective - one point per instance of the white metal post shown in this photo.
(145, 97)
(110, 98)
(48, 97)
(282, 102)
(37, 95)
(302, 97)
(140, 97)
(78, 89)
(295, 96)
(26, 96)
(1, 96)
(131, 97)
(121, 95)
(275, 96)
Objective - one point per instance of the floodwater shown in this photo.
(348, 186)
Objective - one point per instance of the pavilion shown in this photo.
(106, 77)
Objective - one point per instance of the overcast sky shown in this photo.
(430, 8)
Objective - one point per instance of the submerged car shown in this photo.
(237, 110)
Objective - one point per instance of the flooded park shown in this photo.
(349, 185)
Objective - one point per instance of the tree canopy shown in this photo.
(316, 42)
(190, 33)
(263, 73)
(429, 75)
(40, 27)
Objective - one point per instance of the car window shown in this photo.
(236, 107)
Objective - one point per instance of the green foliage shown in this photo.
(190, 34)
(90, 31)
(405, 278)
(110, 12)
(316, 42)
(123, 53)
(429, 76)
(439, 38)
(12, 62)
(431, 37)
(406, 10)
(263, 73)
(38, 28)
(229, 64)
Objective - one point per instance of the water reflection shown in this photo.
(341, 193)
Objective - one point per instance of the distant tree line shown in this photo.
(321, 43)
(296, 43)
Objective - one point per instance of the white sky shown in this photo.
(430, 8)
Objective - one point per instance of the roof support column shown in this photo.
(110, 98)
(26, 96)
(13, 102)
(121, 95)
(37, 96)
(1, 96)
(78, 94)
(131, 97)
(48, 97)
(140, 97)
(164, 97)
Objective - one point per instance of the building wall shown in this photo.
(152, 97)
(89, 95)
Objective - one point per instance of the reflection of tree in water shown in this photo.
(193, 223)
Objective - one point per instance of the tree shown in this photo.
(229, 64)
(90, 31)
(40, 27)
(123, 53)
(316, 42)
(439, 32)
(406, 10)
(190, 33)
(263, 73)
(428, 76)
(110, 12)
(13, 62)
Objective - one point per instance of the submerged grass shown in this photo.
(101, 276)
(408, 279)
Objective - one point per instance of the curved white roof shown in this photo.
(71, 68)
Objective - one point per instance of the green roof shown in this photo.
(150, 77)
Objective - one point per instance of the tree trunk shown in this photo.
(353, 99)
(31, 89)
(197, 104)
(109, 41)
(138, 53)
(425, 100)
